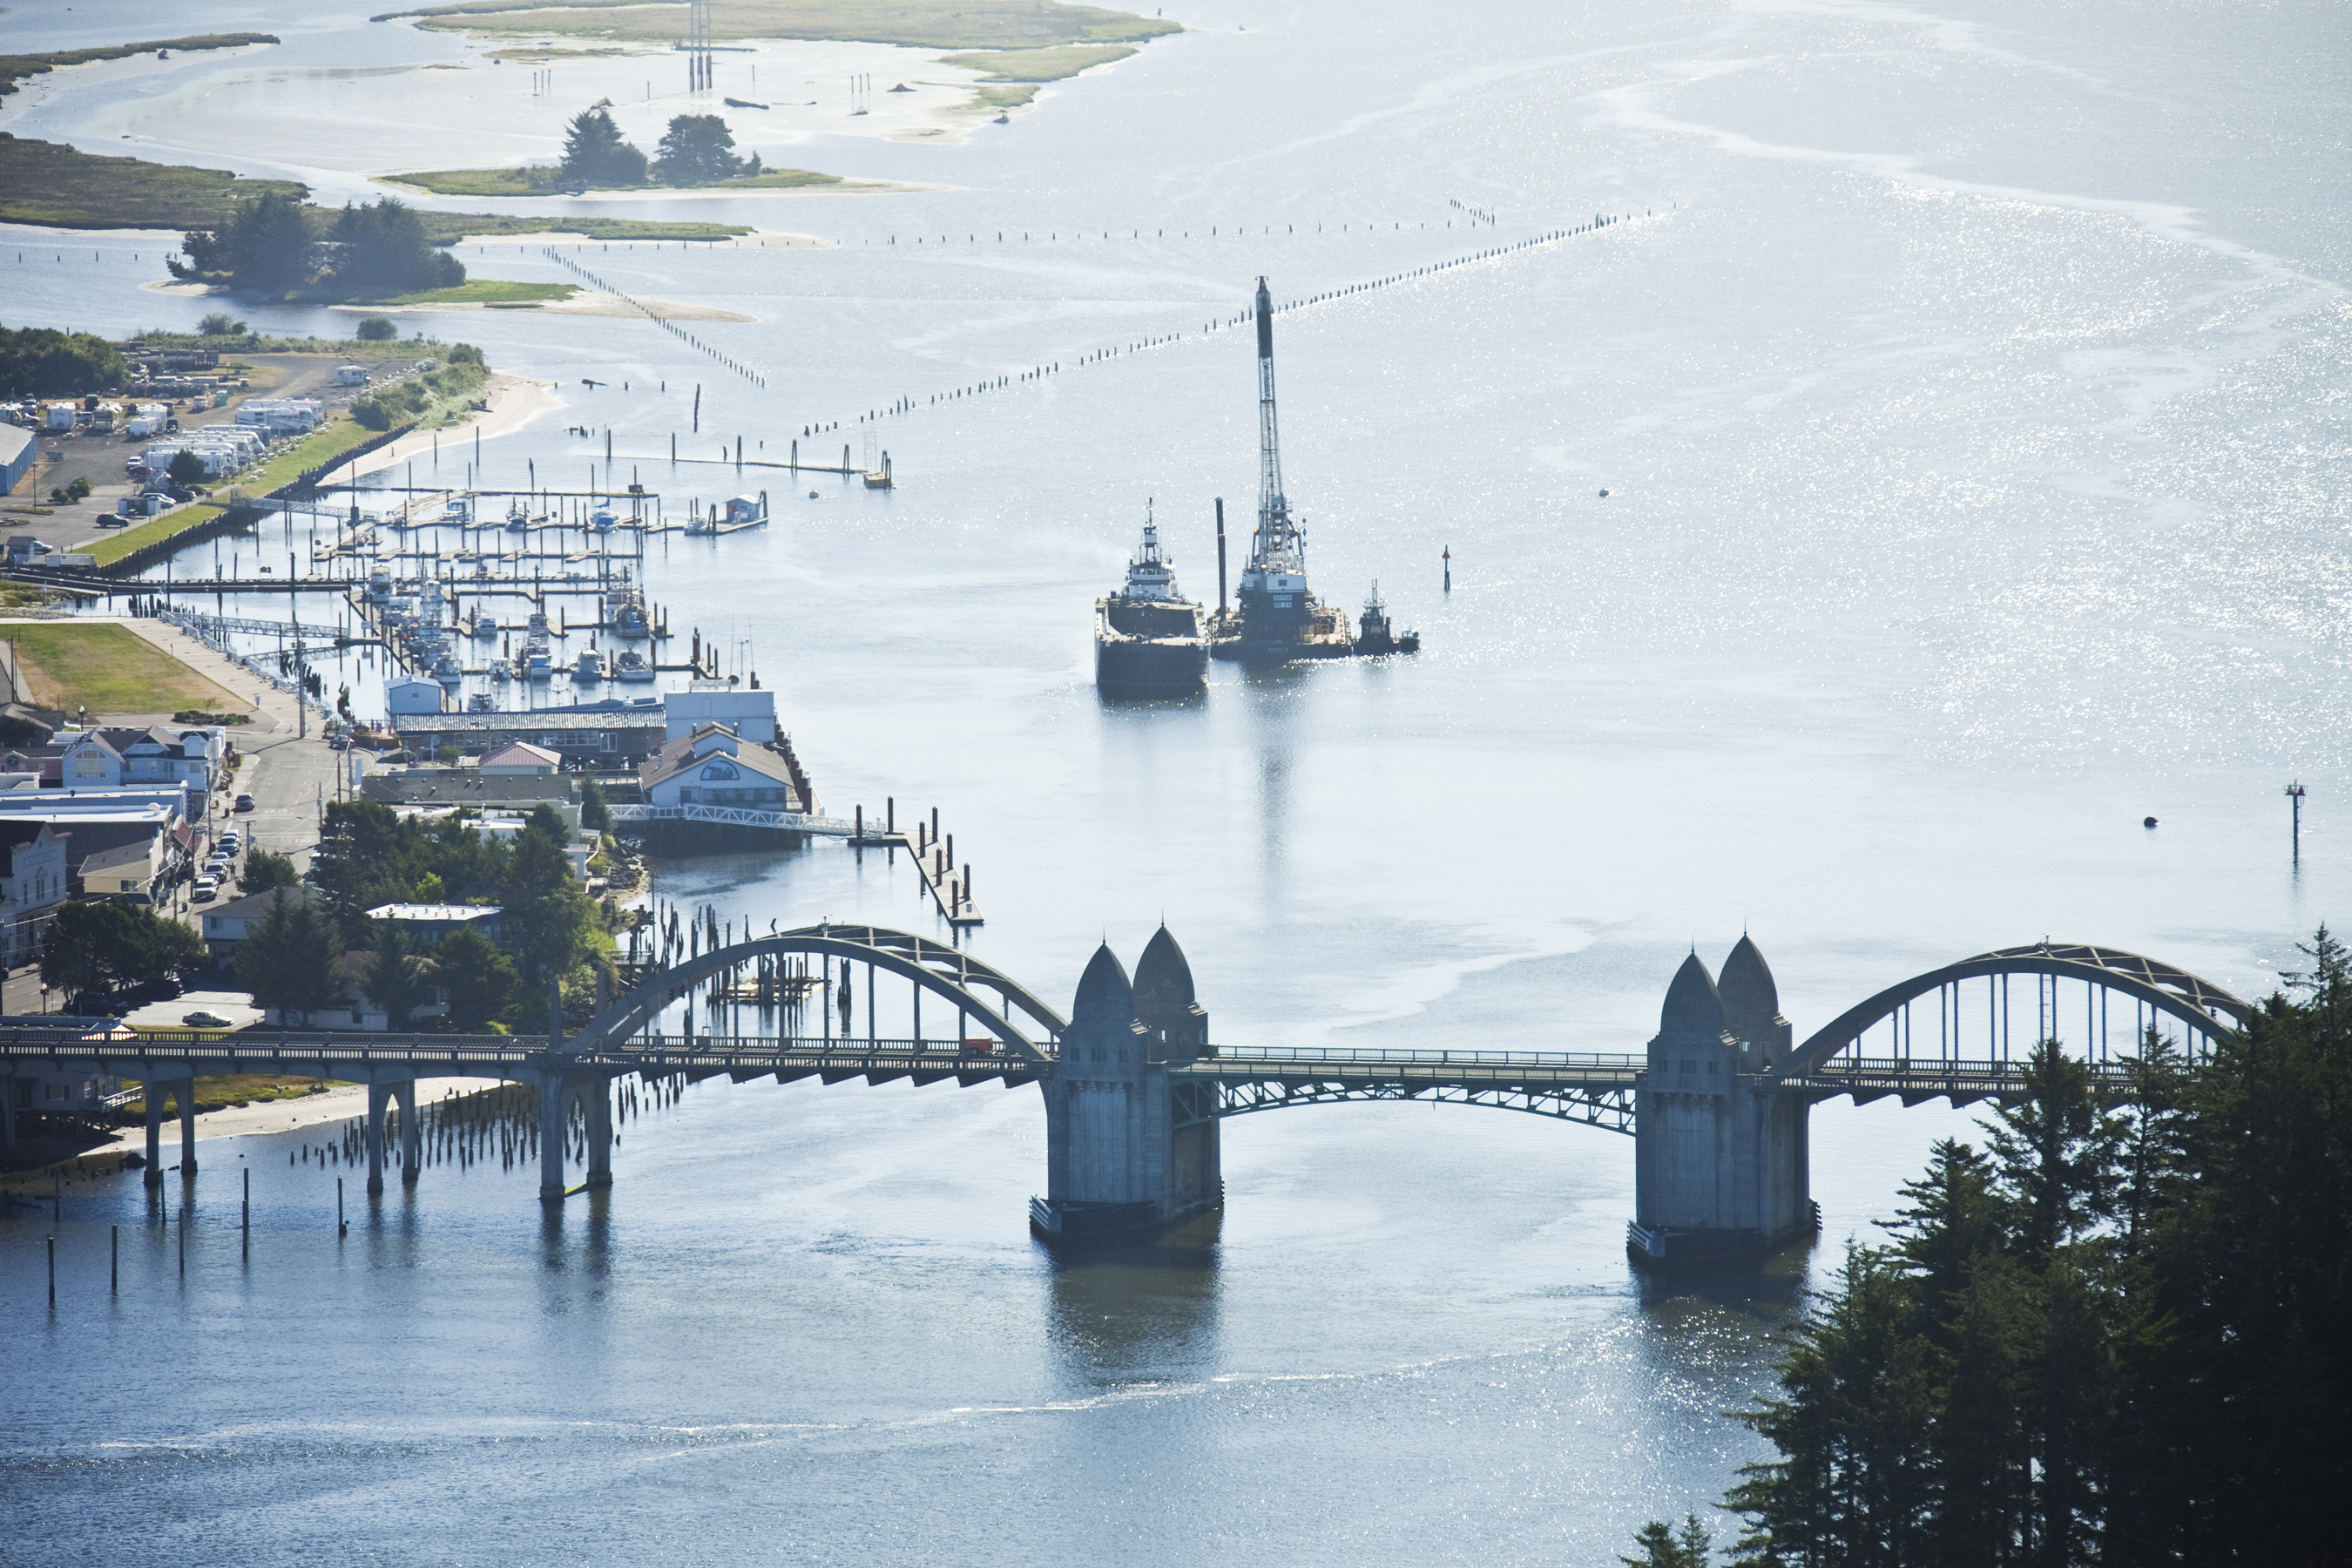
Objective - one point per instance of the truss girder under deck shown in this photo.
(1609, 1108)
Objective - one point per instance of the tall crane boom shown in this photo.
(1276, 540)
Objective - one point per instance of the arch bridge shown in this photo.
(1718, 1104)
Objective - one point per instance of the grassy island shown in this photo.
(58, 187)
(540, 180)
(15, 67)
(918, 23)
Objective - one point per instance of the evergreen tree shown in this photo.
(379, 249)
(266, 245)
(290, 962)
(477, 979)
(696, 150)
(1662, 1546)
(264, 870)
(105, 947)
(549, 914)
(594, 154)
(594, 810)
(395, 978)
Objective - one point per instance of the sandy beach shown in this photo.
(515, 401)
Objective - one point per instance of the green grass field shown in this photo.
(523, 180)
(154, 530)
(61, 186)
(486, 291)
(1038, 65)
(109, 668)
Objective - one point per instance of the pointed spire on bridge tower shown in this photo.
(1164, 1006)
(1694, 1009)
(1105, 1004)
(1751, 1007)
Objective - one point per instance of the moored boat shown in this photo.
(1147, 640)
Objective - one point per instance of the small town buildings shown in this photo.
(716, 766)
(112, 759)
(227, 924)
(614, 733)
(17, 449)
(132, 871)
(520, 759)
(412, 695)
(750, 713)
(32, 886)
(428, 923)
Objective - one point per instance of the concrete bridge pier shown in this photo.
(553, 1089)
(181, 1092)
(597, 1092)
(379, 1096)
(1115, 1159)
(412, 1132)
(1721, 1165)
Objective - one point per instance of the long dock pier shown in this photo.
(948, 886)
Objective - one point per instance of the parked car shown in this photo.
(245, 803)
(207, 889)
(111, 520)
(203, 1020)
(229, 840)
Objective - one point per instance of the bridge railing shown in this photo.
(1376, 1057)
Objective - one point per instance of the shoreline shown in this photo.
(524, 400)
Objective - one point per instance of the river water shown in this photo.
(1967, 385)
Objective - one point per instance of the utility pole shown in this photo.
(2295, 797)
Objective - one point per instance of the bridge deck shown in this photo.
(1246, 1078)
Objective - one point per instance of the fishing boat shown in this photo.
(446, 671)
(589, 668)
(632, 666)
(518, 518)
(604, 522)
(537, 664)
(481, 702)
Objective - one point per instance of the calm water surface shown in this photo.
(1970, 404)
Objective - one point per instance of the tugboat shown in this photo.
(1372, 633)
(1148, 639)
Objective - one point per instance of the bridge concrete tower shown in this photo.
(1115, 1159)
(1720, 1166)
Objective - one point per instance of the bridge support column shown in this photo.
(412, 1132)
(1720, 1165)
(599, 1101)
(187, 1091)
(379, 1095)
(554, 1090)
(153, 1093)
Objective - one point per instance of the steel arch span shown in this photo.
(943, 971)
(2203, 1007)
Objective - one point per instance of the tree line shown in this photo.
(696, 150)
(2109, 1335)
(41, 362)
(278, 245)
